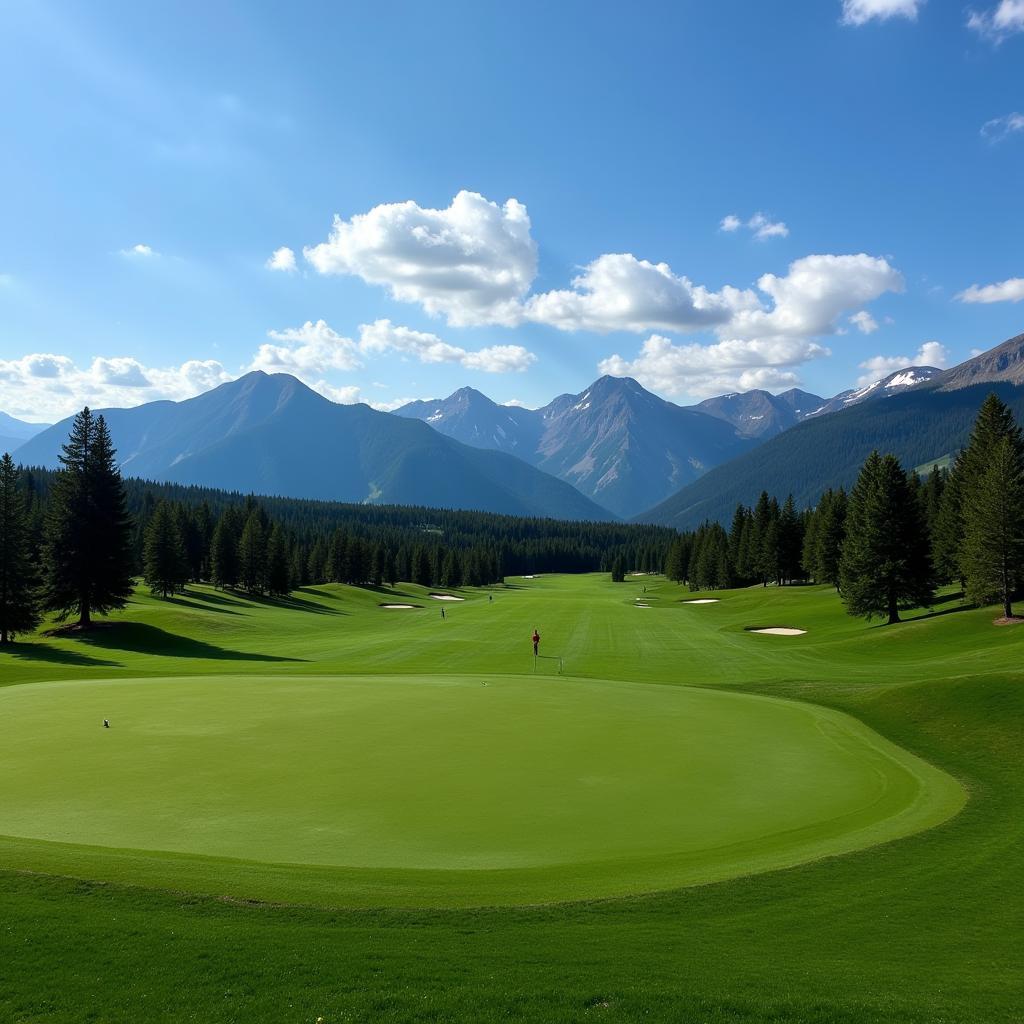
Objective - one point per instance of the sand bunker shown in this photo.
(446, 597)
(703, 600)
(400, 606)
(641, 606)
(776, 630)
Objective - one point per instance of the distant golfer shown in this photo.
(490, 598)
(536, 641)
(106, 723)
(442, 613)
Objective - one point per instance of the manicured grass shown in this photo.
(441, 790)
(927, 928)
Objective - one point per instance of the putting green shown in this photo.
(434, 791)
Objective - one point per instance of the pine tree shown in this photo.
(830, 538)
(277, 567)
(165, 564)
(19, 593)
(886, 565)
(993, 545)
(224, 550)
(89, 532)
(618, 569)
(791, 536)
(675, 564)
(252, 555)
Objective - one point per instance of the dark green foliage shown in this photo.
(19, 585)
(224, 565)
(992, 554)
(89, 530)
(252, 555)
(886, 564)
(618, 570)
(165, 567)
(278, 575)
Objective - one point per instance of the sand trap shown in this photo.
(703, 600)
(777, 630)
(399, 606)
(446, 597)
(641, 606)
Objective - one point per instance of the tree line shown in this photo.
(888, 544)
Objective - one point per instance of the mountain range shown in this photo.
(14, 433)
(613, 450)
(918, 421)
(270, 434)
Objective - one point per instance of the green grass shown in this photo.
(926, 928)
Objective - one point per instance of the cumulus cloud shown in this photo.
(860, 12)
(618, 292)
(140, 252)
(1011, 290)
(282, 259)
(472, 262)
(1000, 128)
(762, 340)
(760, 224)
(931, 353)
(999, 22)
(308, 352)
(864, 322)
(384, 336)
(49, 387)
(704, 370)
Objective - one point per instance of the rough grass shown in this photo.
(928, 928)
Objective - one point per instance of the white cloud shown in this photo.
(308, 352)
(472, 262)
(762, 226)
(864, 322)
(1000, 128)
(140, 252)
(618, 292)
(860, 12)
(999, 22)
(515, 403)
(813, 294)
(282, 259)
(43, 386)
(931, 353)
(384, 336)
(1011, 290)
(704, 370)
(760, 343)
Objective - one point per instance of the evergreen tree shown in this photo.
(89, 532)
(390, 570)
(224, 551)
(618, 569)
(791, 535)
(992, 553)
(675, 564)
(19, 593)
(421, 568)
(278, 563)
(947, 532)
(252, 555)
(165, 563)
(831, 534)
(886, 565)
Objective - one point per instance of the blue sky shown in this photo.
(565, 170)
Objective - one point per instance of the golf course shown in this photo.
(399, 815)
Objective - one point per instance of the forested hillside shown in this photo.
(917, 427)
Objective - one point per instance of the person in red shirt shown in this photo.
(536, 641)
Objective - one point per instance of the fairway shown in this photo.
(444, 790)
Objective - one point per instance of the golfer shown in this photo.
(536, 641)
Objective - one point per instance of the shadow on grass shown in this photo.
(142, 638)
(200, 603)
(38, 651)
(216, 602)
